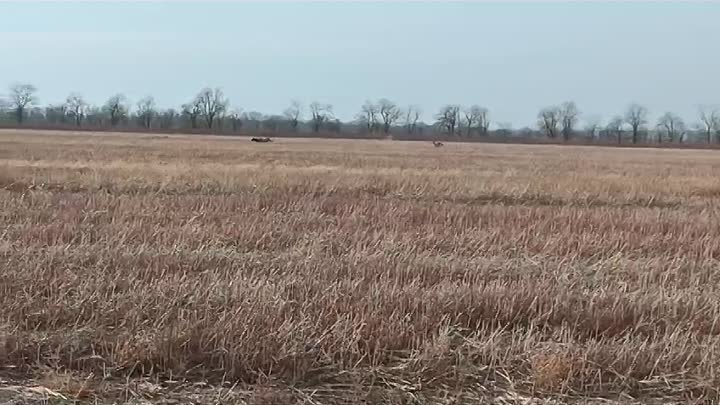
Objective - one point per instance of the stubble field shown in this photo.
(337, 271)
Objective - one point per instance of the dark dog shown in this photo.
(261, 139)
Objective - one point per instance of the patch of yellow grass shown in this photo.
(383, 271)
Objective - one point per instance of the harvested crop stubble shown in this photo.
(322, 271)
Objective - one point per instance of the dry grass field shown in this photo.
(218, 270)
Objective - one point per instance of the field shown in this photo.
(217, 270)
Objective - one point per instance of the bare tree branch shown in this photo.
(636, 116)
(294, 114)
(592, 126)
(614, 128)
(321, 114)
(146, 111)
(672, 126)
(448, 117)
(22, 96)
(76, 107)
(116, 107)
(212, 104)
(568, 118)
(548, 121)
(476, 117)
(368, 116)
(193, 110)
(236, 119)
(710, 117)
(389, 112)
(412, 116)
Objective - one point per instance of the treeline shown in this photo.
(210, 111)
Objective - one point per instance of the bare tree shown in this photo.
(146, 111)
(212, 104)
(192, 110)
(321, 114)
(710, 118)
(389, 112)
(614, 128)
(448, 117)
(167, 118)
(76, 107)
(470, 119)
(235, 117)
(548, 121)
(412, 116)
(672, 126)
(636, 116)
(568, 118)
(22, 96)
(484, 121)
(592, 126)
(368, 116)
(116, 108)
(476, 117)
(294, 114)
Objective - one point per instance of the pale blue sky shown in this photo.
(513, 58)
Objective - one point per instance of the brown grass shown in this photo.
(338, 271)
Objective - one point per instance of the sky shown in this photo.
(513, 58)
